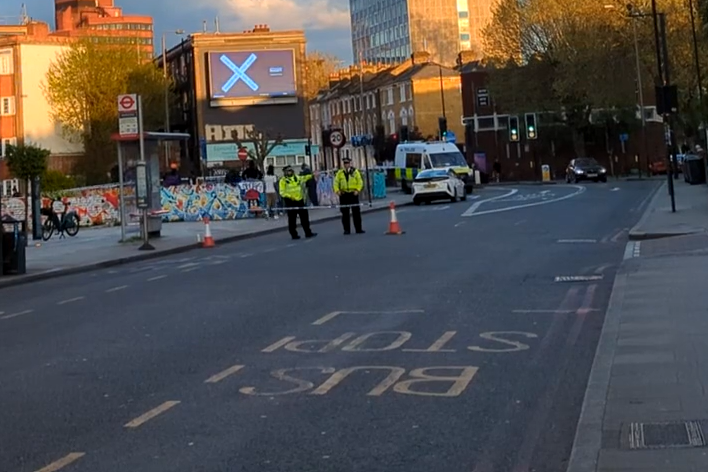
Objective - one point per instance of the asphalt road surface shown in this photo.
(449, 348)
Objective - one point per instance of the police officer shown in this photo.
(292, 191)
(347, 184)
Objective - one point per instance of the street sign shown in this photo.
(128, 120)
(336, 138)
(624, 137)
(243, 154)
(482, 97)
(141, 185)
(450, 136)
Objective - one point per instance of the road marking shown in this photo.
(334, 314)
(579, 190)
(272, 249)
(293, 245)
(223, 374)
(63, 462)
(152, 279)
(115, 289)
(243, 256)
(188, 265)
(577, 241)
(552, 312)
(438, 345)
(460, 224)
(278, 344)
(15, 315)
(577, 278)
(144, 418)
(632, 249)
(476, 205)
(614, 189)
(70, 300)
(519, 223)
(190, 269)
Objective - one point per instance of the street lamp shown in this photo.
(178, 32)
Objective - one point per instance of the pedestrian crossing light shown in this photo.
(514, 129)
(531, 131)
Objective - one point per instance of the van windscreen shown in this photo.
(447, 159)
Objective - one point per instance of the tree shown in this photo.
(26, 162)
(318, 67)
(261, 143)
(54, 181)
(82, 87)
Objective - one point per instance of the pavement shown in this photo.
(646, 406)
(99, 247)
(464, 344)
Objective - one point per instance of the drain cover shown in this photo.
(577, 278)
(666, 435)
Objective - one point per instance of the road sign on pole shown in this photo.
(242, 154)
(128, 125)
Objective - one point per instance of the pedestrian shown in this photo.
(251, 172)
(496, 168)
(271, 192)
(292, 191)
(347, 184)
(311, 185)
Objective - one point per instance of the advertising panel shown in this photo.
(250, 77)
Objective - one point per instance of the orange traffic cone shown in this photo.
(208, 239)
(393, 226)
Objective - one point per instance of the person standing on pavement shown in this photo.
(292, 191)
(347, 184)
(311, 185)
(271, 192)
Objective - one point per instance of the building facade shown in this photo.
(231, 83)
(104, 22)
(388, 31)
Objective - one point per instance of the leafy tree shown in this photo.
(261, 143)
(27, 161)
(54, 181)
(318, 67)
(82, 87)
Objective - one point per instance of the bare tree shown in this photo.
(262, 143)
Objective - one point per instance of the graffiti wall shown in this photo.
(187, 202)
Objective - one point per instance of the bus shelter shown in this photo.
(129, 159)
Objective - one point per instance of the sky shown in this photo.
(326, 22)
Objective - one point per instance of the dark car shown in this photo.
(585, 168)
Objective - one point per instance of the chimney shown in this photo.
(216, 25)
(420, 57)
(261, 29)
(467, 56)
(204, 26)
(333, 79)
(38, 29)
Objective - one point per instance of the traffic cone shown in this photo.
(393, 226)
(208, 239)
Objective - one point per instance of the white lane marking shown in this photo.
(70, 300)
(460, 224)
(63, 462)
(144, 418)
(243, 256)
(577, 241)
(637, 249)
(632, 249)
(15, 315)
(614, 189)
(188, 265)
(473, 197)
(519, 223)
(552, 312)
(577, 278)
(224, 373)
(115, 289)
(334, 314)
(476, 205)
(152, 279)
(196, 266)
(527, 205)
(270, 249)
(293, 245)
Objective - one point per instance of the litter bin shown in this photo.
(14, 246)
(694, 171)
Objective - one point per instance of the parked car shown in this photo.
(438, 184)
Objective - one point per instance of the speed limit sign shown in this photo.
(336, 138)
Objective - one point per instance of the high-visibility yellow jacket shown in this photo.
(292, 188)
(346, 182)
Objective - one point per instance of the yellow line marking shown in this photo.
(115, 289)
(144, 418)
(326, 318)
(14, 315)
(76, 299)
(223, 374)
(278, 344)
(63, 462)
(152, 279)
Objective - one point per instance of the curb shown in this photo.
(8, 281)
(636, 235)
(585, 453)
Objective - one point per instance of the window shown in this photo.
(391, 122)
(464, 37)
(6, 63)
(389, 96)
(463, 14)
(7, 106)
(402, 89)
(404, 117)
(5, 143)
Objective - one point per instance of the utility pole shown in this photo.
(363, 126)
(640, 88)
(699, 77)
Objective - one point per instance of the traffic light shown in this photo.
(531, 130)
(514, 129)
(442, 124)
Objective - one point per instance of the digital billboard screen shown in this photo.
(266, 74)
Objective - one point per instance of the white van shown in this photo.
(416, 156)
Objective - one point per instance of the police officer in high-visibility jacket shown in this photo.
(292, 191)
(347, 184)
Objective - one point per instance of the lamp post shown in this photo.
(178, 32)
(363, 126)
(699, 74)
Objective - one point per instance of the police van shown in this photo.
(413, 157)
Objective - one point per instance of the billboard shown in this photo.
(252, 77)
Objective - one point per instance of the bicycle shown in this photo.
(68, 223)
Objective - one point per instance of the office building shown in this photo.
(388, 31)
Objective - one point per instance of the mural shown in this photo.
(101, 206)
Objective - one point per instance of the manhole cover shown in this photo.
(666, 435)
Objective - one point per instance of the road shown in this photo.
(449, 348)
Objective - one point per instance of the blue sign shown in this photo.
(239, 72)
(624, 137)
(203, 148)
(364, 140)
(450, 137)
